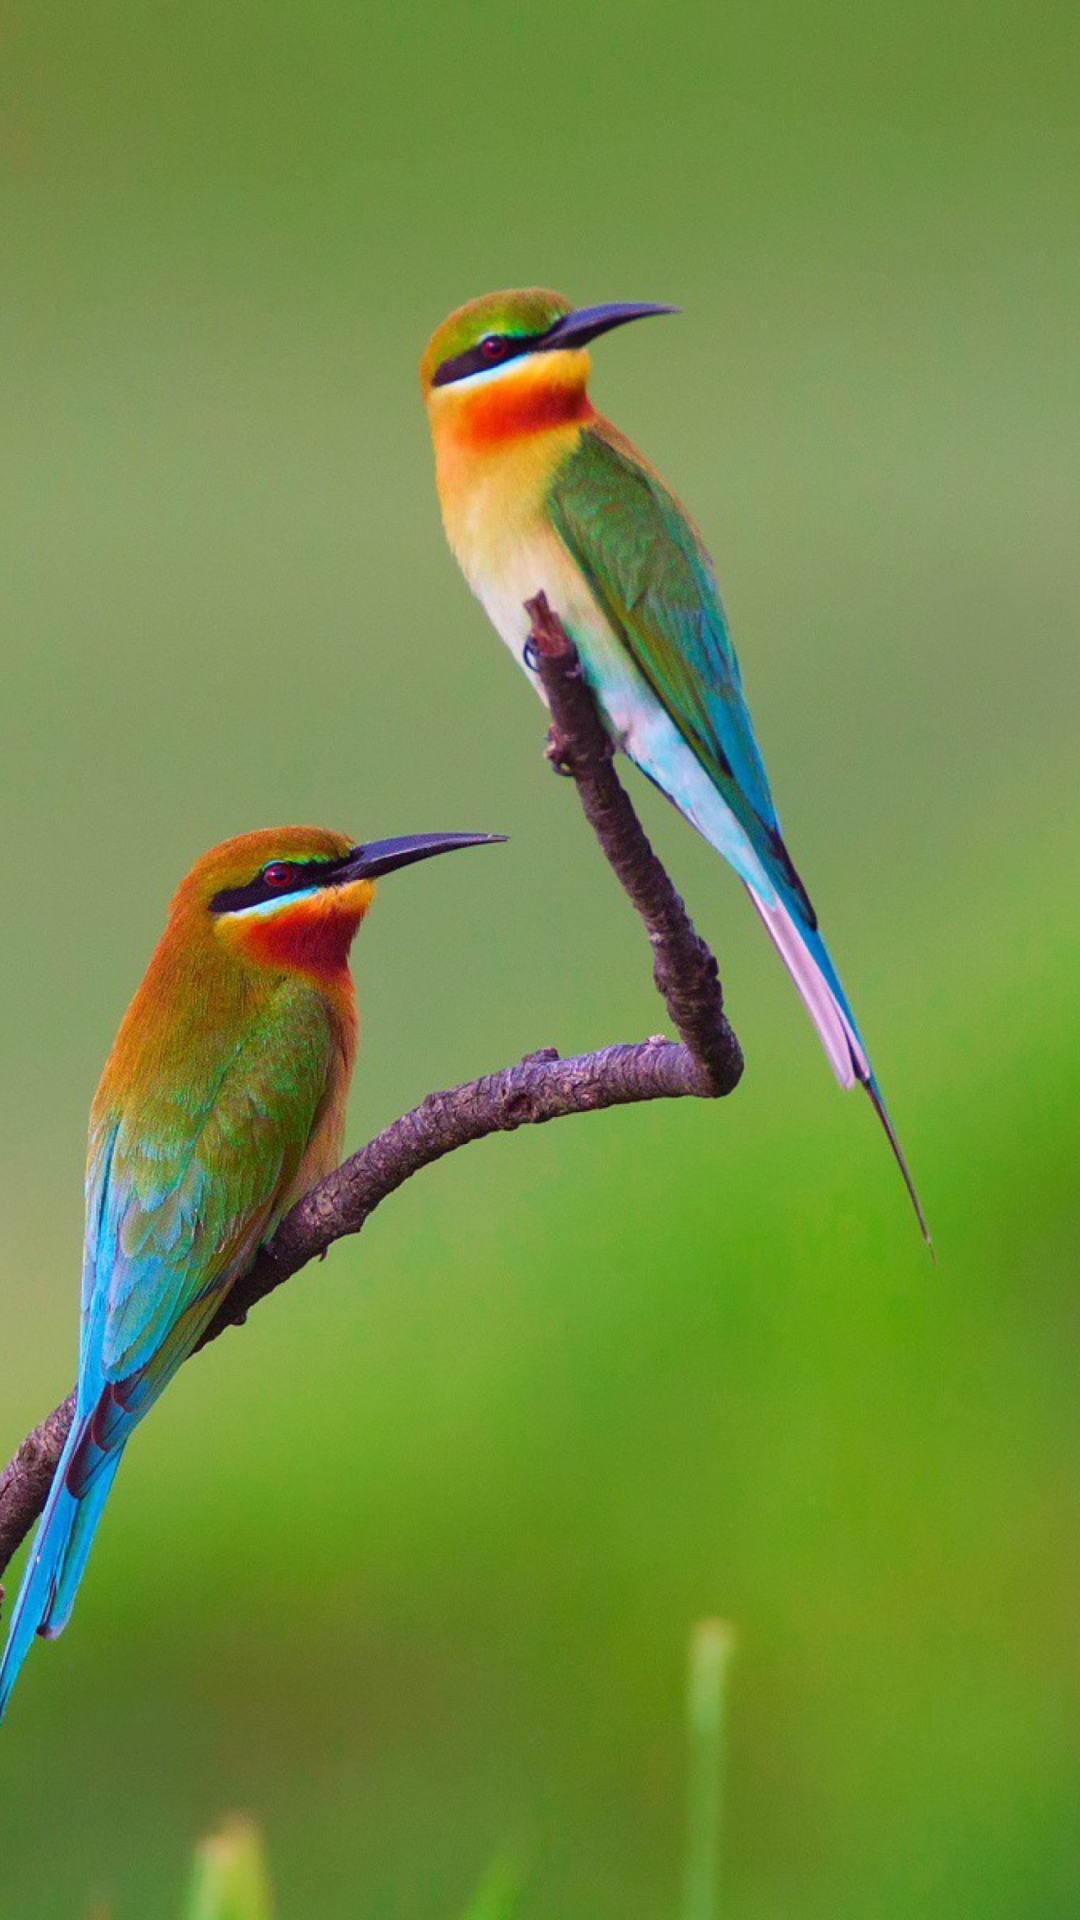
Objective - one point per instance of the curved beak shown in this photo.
(385, 856)
(578, 328)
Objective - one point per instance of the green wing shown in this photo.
(651, 574)
(184, 1188)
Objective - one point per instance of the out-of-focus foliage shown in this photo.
(710, 1653)
(231, 1881)
(404, 1567)
(498, 1897)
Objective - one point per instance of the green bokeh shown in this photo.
(407, 1567)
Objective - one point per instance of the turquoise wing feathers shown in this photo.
(182, 1196)
(183, 1185)
(654, 580)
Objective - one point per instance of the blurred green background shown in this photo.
(407, 1567)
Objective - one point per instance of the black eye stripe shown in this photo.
(480, 358)
(305, 873)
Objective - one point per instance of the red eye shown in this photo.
(278, 875)
(492, 347)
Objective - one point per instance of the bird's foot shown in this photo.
(557, 754)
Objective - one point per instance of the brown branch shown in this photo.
(25, 1481)
(541, 1087)
(684, 970)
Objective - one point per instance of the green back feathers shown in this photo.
(183, 1187)
(651, 574)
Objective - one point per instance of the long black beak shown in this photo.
(577, 329)
(385, 856)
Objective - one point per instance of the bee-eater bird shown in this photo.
(540, 492)
(222, 1102)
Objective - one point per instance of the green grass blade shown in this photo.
(711, 1648)
(498, 1896)
(231, 1881)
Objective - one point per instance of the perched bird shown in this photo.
(222, 1102)
(540, 492)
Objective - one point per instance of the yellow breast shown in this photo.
(497, 447)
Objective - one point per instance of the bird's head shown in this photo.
(516, 360)
(292, 898)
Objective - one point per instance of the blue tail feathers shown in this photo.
(57, 1561)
